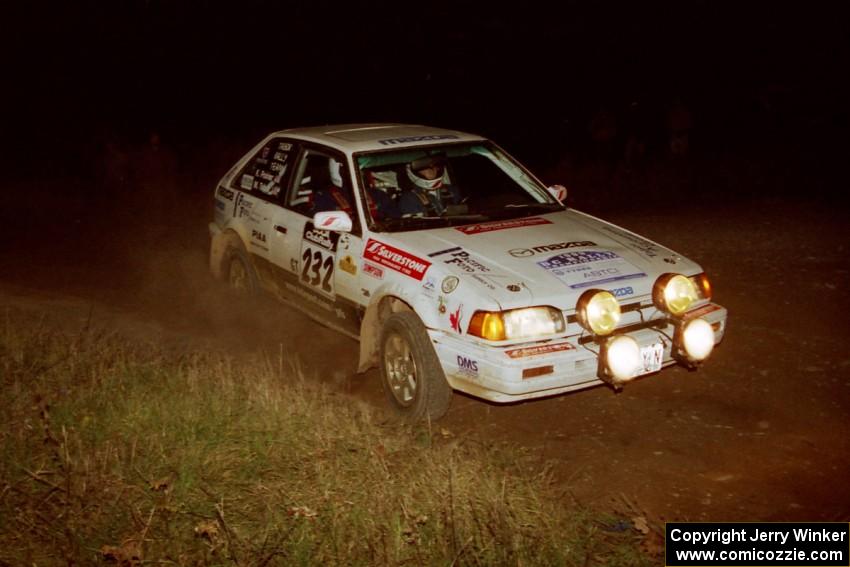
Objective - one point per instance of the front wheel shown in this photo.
(411, 375)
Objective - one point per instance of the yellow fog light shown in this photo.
(598, 311)
(698, 339)
(674, 293)
(622, 358)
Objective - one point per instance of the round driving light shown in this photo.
(598, 311)
(698, 339)
(624, 360)
(674, 293)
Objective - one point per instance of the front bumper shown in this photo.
(544, 368)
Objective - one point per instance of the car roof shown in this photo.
(352, 138)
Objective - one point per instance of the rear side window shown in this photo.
(268, 171)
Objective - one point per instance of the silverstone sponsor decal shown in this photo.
(538, 350)
(526, 252)
(395, 259)
(456, 317)
(501, 225)
(373, 271)
(225, 193)
(583, 269)
(642, 245)
(467, 366)
(410, 139)
(449, 284)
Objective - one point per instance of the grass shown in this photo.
(132, 454)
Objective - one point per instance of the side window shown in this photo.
(267, 172)
(322, 183)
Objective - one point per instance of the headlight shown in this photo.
(598, 311)
(517, 323)
(698, 339)
(702, 284)
(674, 293)
(622, 358)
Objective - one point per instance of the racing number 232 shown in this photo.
(318, 268)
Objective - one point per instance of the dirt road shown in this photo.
(760, 433)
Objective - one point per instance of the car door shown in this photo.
(256, 194)
(322, 265)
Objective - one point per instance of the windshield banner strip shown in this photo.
(501, 225)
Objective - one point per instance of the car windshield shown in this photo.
(447, 185)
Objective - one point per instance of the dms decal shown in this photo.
(257, 235)
(538, 350)
(467, 365)
(225, 193)
(526, 252)
(395, 259)
(446, 251)
(501, 225)
(456, 318)
(409, 139)
(373, 271)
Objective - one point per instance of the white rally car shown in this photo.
(454, 266)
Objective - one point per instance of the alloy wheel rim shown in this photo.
(400, 369)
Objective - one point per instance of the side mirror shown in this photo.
(559, 192)
(334, 221)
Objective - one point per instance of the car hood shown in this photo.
(544, 260)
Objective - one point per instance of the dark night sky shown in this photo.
(526, 75)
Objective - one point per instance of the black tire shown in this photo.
(239, 272)
(411, 375)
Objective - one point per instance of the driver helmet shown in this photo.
(427, 172)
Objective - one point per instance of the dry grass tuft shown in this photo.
(129, 454)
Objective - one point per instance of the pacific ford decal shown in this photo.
(395, 259)
(409, 139)
(462, 259)
(501, 225)
(538, 350)
(583, 269)
(526, 252)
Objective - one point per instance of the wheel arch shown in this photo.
(221, 241)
